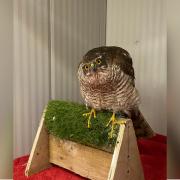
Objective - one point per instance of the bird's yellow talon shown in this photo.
(90, 114)
(120, 122)
(114, 121)
(89, 123)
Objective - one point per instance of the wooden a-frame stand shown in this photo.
(123, 164)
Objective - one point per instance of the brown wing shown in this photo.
(124, 60)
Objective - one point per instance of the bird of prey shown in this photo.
(107, 82)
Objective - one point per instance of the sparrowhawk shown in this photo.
(107, 82)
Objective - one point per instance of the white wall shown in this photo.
(140, 27)
(78, 26)
(31, 70)
(173, 88)
(6, 97)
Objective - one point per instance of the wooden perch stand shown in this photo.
(92, 163)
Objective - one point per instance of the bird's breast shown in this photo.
(98, 97)
(119, 94)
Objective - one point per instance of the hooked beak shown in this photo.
(93, 67)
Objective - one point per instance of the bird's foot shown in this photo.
(114, 121)
(90, 114)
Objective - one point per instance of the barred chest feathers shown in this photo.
(117, 94)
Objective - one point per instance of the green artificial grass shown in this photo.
(65, 120)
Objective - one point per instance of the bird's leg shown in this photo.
(114, 121)
(90, 114)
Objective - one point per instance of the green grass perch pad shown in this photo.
(65, 120)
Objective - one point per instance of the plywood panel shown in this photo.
(86, 161)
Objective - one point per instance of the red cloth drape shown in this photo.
(152, 152)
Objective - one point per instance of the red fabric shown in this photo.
(153, 157)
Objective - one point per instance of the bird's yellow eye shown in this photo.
(86, 67)
(98, 61)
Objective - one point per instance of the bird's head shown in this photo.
(95, 67)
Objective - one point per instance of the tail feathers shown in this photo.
(141, 126)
